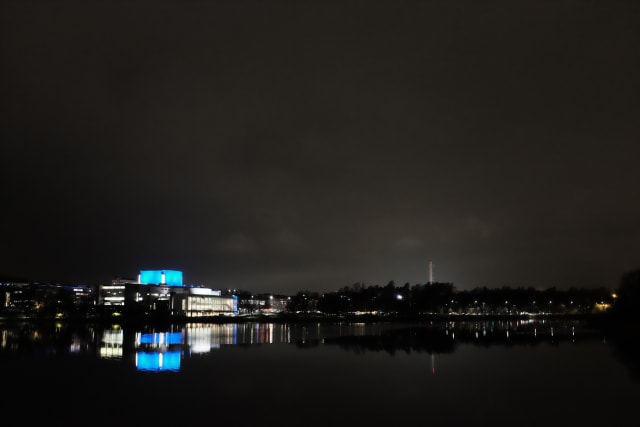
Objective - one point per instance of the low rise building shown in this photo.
(162, 291)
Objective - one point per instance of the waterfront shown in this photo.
(493, 372)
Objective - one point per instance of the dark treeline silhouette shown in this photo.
(628, 295)
(443, 298)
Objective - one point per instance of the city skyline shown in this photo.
(281, 146)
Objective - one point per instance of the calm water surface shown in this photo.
(526, 373)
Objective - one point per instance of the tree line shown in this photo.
(444, 298)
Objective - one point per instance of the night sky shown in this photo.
(279, 146)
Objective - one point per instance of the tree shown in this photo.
(303, 301)
(628, 293)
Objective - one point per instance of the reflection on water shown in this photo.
(498, 373)
(163, 349)
(111, 343)
(158, 351)
(151, 349)
(444, 337)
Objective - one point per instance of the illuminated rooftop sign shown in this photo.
(161, 277)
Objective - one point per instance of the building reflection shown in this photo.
(168, 348)
(157, 350)
(111, 343)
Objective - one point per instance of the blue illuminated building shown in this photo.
(161, 277)
(162, 292)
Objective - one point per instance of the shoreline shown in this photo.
(306, 318)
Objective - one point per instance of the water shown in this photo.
(494, 373)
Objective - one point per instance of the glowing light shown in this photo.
(204, 291)
(165, 277)
(169, 361)
(160, 338)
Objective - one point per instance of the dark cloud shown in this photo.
(286, 145)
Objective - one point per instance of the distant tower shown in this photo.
(430, 272)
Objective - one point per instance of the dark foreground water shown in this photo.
(493, 373)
